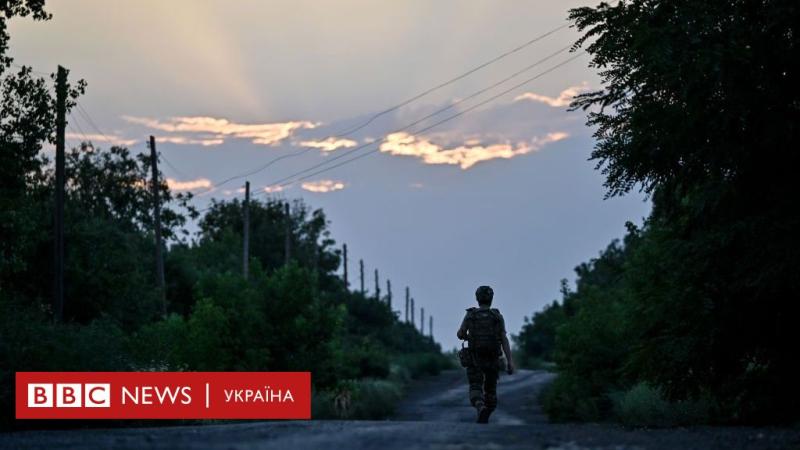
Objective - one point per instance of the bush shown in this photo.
(366, 399)
(570, 399)
(420, 364)
(161, 345)
(31, 342)
(366, 359)
(645, 406)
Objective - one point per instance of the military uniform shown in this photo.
(484, 329)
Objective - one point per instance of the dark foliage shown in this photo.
(284, 316)
(699, 109)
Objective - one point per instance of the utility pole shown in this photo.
(377, 287)
(389, 293)
(246, 231)
(287, 243)
(346, 282)
(422, 321)
(157, 224)
(58, 219)
(361, 270)
(412, 312)
(407, 301)
(430, 327)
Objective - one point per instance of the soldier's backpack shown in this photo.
(484, 327)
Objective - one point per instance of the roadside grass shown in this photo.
(640, 406)
(644, 406)
(366, 399)
(376, 399)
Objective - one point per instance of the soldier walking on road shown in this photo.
(485, 331)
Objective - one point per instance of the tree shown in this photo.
(699, 109)
(27, 121)
(696, 93)
(311, 244)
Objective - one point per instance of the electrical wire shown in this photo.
(433, 114)
(447, 119)
(85, 115)
(451, 81)
(407, 102)
(172, 166)
(288, 180)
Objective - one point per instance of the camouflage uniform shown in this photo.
(484, 369)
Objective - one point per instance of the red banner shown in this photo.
(163, 395)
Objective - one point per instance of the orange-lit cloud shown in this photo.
(274, 189)
(330, 144)
(563, 99)
(230, 192)
(464, 156)
(183, 140)
(199, 183)
(260, 133)
(110, 139)
(322, 186)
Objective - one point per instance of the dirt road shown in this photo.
(435, 414)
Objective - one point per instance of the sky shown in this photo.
(501, 192)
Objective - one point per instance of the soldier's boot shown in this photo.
(488, 407)
(483, 412)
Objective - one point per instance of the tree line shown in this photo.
(286, 315)
(695, 312)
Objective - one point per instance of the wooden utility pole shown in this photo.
(287, 243)
(407, 302)
(157, 225)
(58, 219)
(246, 232)
(377, 287)
(389, 293)
(412, 312)
(346, 282)
(361, 271)
(422, 321)
(430, 327)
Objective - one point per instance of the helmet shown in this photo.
(484, 294)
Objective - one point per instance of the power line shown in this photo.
(451, 81)
(447, 119)
(287, 180)
(75, 122)
(19, 66)
(88, 119)
(406, 102)
(171, 166)
(255, 171)
(439, 111)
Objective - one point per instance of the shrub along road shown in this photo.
(435, 414)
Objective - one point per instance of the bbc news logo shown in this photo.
(163, 395)
(69, 395)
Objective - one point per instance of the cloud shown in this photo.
(262, 133)
(322, 186)
(110, 139)
(183, 140)
(416, 185)
(199, 183)
(329, 144)
(464, 156)
(563, 99)
(274, 189)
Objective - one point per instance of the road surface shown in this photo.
(435, 415)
